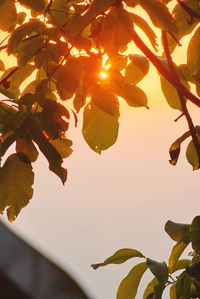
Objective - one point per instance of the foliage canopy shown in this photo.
(76, 50)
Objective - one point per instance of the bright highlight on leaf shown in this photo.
(103, 75)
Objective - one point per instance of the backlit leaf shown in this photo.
(60, 12)
(21, 17)
(159, 14)
(48, 150)
(80, 97)
(172, 292)
(2, 66)
(37, 5)
(136, 69)
(191, 155)
(63, 147)
(144, 26)
(178, 232)
(159, 270)
(193, 57)
(171, 94)
(176, 252)
(116, 30)
(100, 129)
(175, 148)
(134, 96)
(129, 285)
(21, 32)
(118, 62)
(8, 15)
(69, 78)
(16, 180)
(181, 264)
(119, 257)
(27, 147)
(195, 234)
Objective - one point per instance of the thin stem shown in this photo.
(181, 95)
(190, 11)
(162, 70)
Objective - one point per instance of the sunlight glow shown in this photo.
(103, 75)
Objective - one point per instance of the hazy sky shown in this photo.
(121, 198)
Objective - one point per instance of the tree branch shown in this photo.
(162, 70)
(181, 95)
(190, 11)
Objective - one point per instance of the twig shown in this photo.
(181, 95)
(190, 11)
(162, 70)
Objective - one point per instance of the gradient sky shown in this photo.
(119, 199)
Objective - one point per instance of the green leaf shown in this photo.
(183, 286)
(63, 147)
(172, 292)
(27, 147)
(37, 5)
(144, 26)
(60, 12)
(175, 148)
(5, 111)
(194, 270)
(134, 96)
(116, 30)
(195, 234)
(136, 69)
(159, 14)
(171, 94)
(16, 180)
(119, 257)
(129, 285)
(159, 270)
(23, 31)
(80, 97)
(178, 232)
(176, 252)
(193, 57)
(8, 15)
(100, 129)
(69, 78)
(51, 154)
(191, 155)
(150, 288)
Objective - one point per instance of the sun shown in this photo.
(103, 74)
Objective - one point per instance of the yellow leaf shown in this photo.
(134, 96)
(16, 180)
(191, 155)
(193, 57)
(27, 147)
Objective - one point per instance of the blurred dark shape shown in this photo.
(25, 273)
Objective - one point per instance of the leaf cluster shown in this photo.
(75, 52)
(181, 276)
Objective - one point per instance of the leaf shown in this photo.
(134, 96)
(172, 292)
(129, 285)
(136, 69)
(176, 252)
(21, 16)
(8, 15)
(2, 66)
(60, 12)
(69, 78)
(118, 62)
(150, 288)
(195, 234)
(191, 155)
(37, 5)
(27, 147)
(5, 111)
(183, 286)
(23, 31)
(28, 49)
(159, 270)
(178, 232)
(181, 264)
(63, 147)
(159, 14)
(184, 23)
(171, 94)
(16, 180)
(194, 270)
(175, 148)
(193, 57)
(80, 97)
(116, 30)
(144, 26)
(119, 257)
(48, 150)
(100, 129)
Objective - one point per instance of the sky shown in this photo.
(119, 199)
